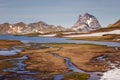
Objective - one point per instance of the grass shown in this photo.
(77, 76)
(106, 29)
(82, 54)
(9, 43)
(109, 37)
(4, 65)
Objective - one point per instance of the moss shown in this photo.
(77, 76)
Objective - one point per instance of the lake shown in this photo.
(26, 39)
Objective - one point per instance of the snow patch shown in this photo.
(49, 35)
(113, 74)
(96, 34)
(89, 21)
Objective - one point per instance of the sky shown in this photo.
(58, 12)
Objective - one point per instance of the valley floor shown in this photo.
(41, 57)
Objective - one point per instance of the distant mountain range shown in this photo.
(85, 23)
(22, 28)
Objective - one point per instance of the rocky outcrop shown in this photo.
(86, 23)
(22, 28)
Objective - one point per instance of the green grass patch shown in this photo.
(76, 76)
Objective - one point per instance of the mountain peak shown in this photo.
(86, 23)
(88, 15)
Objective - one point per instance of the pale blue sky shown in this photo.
(58, 12)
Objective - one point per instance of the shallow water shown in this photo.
(10, 52)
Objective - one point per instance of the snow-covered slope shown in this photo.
(96, 34)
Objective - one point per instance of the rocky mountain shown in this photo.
(86, 23)
(22, 28)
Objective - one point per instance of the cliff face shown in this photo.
(86, 23)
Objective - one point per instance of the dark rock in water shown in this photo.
(86, 23)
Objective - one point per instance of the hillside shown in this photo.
(110, 27)
(116, 24)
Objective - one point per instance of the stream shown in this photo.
(113, 74)
(73, 68)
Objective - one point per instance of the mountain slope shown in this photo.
(110, 27)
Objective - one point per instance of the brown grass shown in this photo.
(106, 29)
(41, 60)
(81, 55)
(9, 43)
(109, 37)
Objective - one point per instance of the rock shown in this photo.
(86, 23)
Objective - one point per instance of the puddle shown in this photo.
(101, 58)
(10, 52)
(58, 77)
